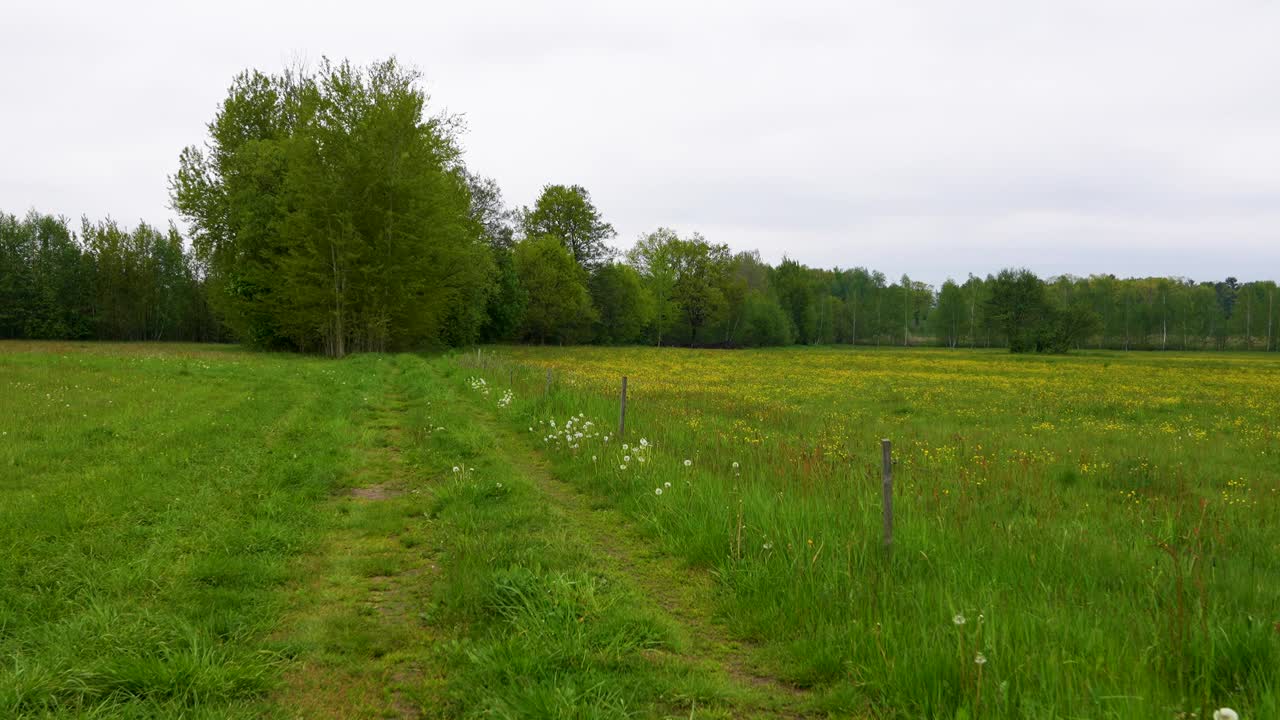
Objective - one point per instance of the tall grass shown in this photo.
(1104, 525)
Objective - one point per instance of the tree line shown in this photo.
(105, 282)
(329, 212)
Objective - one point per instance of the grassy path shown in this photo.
(496, 589)
(682, 595)
(234, 535)
(355, 631)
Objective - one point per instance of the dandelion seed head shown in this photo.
(657, 491)
(980, 659)
(687, 463)
(958, 619)
(1225, 714)
(666, 484)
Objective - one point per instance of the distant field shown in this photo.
(1107, 525)
(203, 532)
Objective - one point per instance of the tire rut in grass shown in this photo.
(685, 596)
(355, 613)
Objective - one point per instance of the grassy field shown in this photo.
(1087, 536)
(196, 531)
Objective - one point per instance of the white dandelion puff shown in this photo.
(657, 491)
(958, 619)
(980, 659)
(687, 463)
(626, 458)
(666, 484)
(1225, 714)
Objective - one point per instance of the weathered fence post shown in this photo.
(886, 451)
(622, 408)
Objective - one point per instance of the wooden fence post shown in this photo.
(886, 451)
(622, 408)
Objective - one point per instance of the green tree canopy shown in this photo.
(566, 213)
(334, 215)
(624, 303)
(558, 306)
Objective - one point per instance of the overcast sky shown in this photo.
(933, 138)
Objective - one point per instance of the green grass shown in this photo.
(201, 532)
(1106, 524)
(198, 531)
(150, 501)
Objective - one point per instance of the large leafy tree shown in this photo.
(686, 278)
(334, 215)
(700, 270)
(1019, 305)
(948, 318)
(558, 307)
(624, 304)
(794, 285)
(566, 213)
(653, 257)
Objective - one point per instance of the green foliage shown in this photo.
(504, 313)
(687, 279)
(764, 322)
(652, 258)
(1019, 305)
(948, 317)
(566, 213)
(107, 283)
(624, 303)
(794, 286)
(334, 215)
(699, 270)
(559, 307)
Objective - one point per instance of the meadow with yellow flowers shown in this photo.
(1094, 535)
(206, 532)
